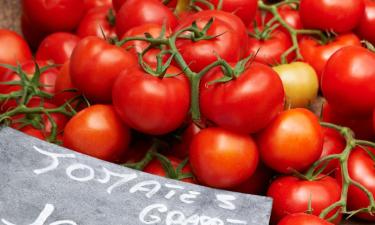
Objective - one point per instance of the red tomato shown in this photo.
(13, 49)
(367, 25)
(303, 219)
(134, 13)
(362, 126)
(373, 119)
(53, 16)
(292, 195)
(33, 35)
(245, 104)
(90, 4)
(222, 158)
(182, 148)
(97, 131)
(156, 168)
(117, 4)
(294, 140)
(270, 49)
(361, 169)
(57, 47)
(144, 102)
(229, 43)
(334, 143)
(96, 23)
(322, 14)
(317, 55)
(63, 84)
(31, 131)
(95, 79)
(348, 81)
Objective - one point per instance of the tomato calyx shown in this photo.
(171, 172)
(368, 45)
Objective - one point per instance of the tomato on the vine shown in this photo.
(150, 104)
(366, 27)
(90, 4)
(182, 147)
(338, 15)
(373, 120)
(247, 103)
(99, 132)
(221, 158)
(303, 219)
(293, 195)
(293, 141)
(64, 89)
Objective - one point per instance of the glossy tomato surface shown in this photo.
(97, 22)
(366, 27)
(303, 219)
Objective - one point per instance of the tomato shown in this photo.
(31, 131)
(317, 55)
(294, 140)
(53, 16)
(155, 167)
(95, 80)
(245, 104)
(366, 27)
(144, 102)
(33, 35)
(64, 86)
(223, 159)
(57, 47)
(322, 14)
(134, 13)
(117, 4)
(291, 17)
(269, 49)
(303, 219)
(373, 119)
(347, 81)
(106, 138)
(229, 43)
(361, 169)
(90, 4)
(14, 49)
(300, 83)
(334, 143)
(293, 195)
(362, 126)
(96, 23)
(181, 149)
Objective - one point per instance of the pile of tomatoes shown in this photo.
(261, 97)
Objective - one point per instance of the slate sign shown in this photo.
(43, 184)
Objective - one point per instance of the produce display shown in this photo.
(273, 98)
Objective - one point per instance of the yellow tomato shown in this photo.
(300, 83)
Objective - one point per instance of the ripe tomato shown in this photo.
(134, 13)
(117, 4)
(348, 81)
(95, 80)
(53, 16)
(90, 4)
(361, 169)
(106, 138)
(222, 158)
(32, 35)
(144, 102)
(229, 43)
(373, 118)
(291, 16)
(13, 49)
(303, 219)
(96, 23)
(155, 167)
(293, 195)
(245, 104)
(31, 131)
(317, 55)
(300, 83)
(57, 47)
(322, 14)
(269, 49)
(181, 149)
(64, 86)
(367, 25)
(294, 140)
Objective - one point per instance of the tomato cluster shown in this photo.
(260, 97)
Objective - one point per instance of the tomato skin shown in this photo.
(282, 141)
(303, 219)
(347, 81)
(63, 83)
(95, 23)
(90, 4)
(292, 195)
(350, 12)
(144, 102)
(317, 55)
(32, 35)
(95, 81)
(182, 148)
(53, 16)
(300, 83)
(246, 104)
(367, 25)
(134, 13)
(57, 47)
(14, 49)
(107, 138)
(373, 120)
(222, 158)
(117, 4)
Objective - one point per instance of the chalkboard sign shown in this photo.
(44, 184)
